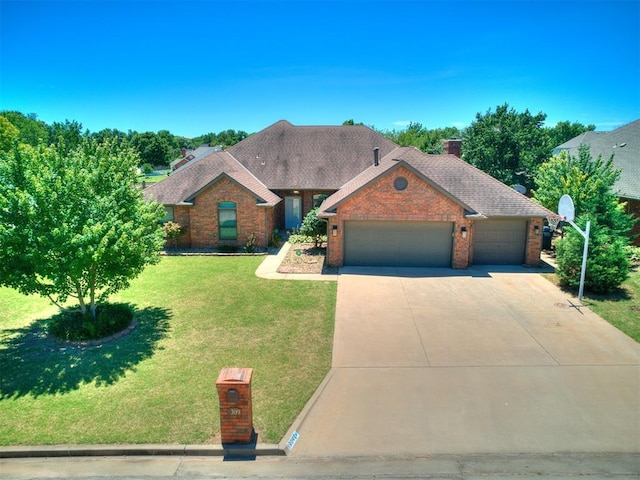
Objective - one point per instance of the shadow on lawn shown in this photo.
(33, 363)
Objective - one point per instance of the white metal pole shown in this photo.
(584, 258)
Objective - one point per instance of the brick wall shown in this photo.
(181, 216)
(203, 217)
(534, 242)
(633, 207)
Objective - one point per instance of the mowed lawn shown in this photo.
(196, 315)
(621, 308)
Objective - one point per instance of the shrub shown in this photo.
(172, 232)
(73, 325)
(250, 245)
(607, 260)
(147, 168)
(633, 254)
(314, 227)
(228, 249)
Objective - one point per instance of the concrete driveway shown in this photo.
(439, 361)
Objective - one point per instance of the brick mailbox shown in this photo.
(236, 410)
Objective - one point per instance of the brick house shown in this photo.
(623, 144)
(384, 204)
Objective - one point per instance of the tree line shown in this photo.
(154, 148)
(507, 144)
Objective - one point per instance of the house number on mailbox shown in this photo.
(234, 411)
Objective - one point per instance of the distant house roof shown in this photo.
(480, 194)
(284, 156)
(624, 144)
(182, 186)
(194, 154)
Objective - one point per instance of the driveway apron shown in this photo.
(440, 361)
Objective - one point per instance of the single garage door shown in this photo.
(398, 244)
(499, 242)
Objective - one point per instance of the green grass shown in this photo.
(155, 178)
(621, 308)
(196, 315)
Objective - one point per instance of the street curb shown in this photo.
(227, 450)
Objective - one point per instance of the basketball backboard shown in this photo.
(566, 208)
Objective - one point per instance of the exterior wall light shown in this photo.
(463, 232)
(536, 230)
(334, 230)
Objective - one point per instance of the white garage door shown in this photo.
(499, 242)
(398, 244)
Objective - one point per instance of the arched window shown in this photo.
(227, 221)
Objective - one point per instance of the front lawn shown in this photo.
(622, 308)
(196, 315)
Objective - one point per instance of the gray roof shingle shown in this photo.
(624, 144)
(479, 193)
(185, 183)
(284, 156)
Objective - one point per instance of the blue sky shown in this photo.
(193, 67)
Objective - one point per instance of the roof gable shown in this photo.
(183, 185)
(284, 156)
(479, 193)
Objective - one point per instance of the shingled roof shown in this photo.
(480, 194)
(624, 144)
(184, 184)
(284, 156)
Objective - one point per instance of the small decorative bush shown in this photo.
(172, 232)
(110, 318)
(314, 227)
(228, 249)
(147, 168)
(250, 245)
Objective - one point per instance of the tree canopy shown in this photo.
(72, 224)
(507, 145)
(589, 182)
(426, 140)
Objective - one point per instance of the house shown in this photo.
(623, 144)
(189, 155)
(384, 204)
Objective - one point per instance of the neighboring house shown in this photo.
(189, 155)
(624, 144)
(384, 204)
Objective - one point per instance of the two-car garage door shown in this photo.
(398, 244)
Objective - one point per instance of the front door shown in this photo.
(292, 212)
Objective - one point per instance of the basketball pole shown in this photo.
(585, 250)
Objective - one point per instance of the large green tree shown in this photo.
(31, 130)
(73, 224)
(507, 144)
(589, 182)
(152, 147)
(565, 131)
(8, 134)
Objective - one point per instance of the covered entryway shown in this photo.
(398, 244)
(292, 212)
(499, 242)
